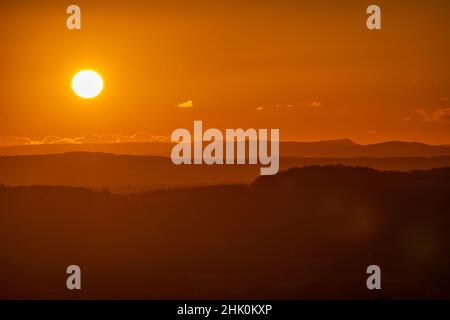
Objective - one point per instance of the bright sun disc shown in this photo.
(87, 84)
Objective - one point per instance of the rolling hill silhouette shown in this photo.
(305, 233)
(127, 173)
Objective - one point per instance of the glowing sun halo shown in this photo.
(87, 84)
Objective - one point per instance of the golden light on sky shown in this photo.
(315, 71)
(87, 84)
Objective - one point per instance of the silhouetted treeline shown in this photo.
(305, 233)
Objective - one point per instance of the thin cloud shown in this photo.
(186, 104)
(94, 138)
(53, 140)
(314, 104)
(439, 115)
(147, 137)
(14, 141)
(287, 106)
(259, 108)
(85, 139)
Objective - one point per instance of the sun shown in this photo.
(87, 84)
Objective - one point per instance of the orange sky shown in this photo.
(310, 68)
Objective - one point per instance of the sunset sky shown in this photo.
(310, 68)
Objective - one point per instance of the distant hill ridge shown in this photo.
(329, 148)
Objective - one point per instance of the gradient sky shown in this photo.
(310, 68)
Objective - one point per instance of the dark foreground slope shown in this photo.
(305, 233)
